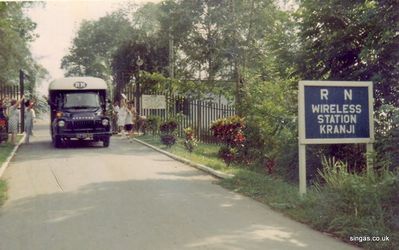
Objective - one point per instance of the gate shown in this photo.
(187, 111)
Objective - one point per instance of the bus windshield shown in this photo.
(81, 100)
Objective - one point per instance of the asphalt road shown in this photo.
(128, 196)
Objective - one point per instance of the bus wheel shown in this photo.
(106, 142)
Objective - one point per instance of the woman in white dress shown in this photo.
(122, 113)
(29, 116)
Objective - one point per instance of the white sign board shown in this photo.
(153, 102)
(333, 112)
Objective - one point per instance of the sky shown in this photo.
(57, 24)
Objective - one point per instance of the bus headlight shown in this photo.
(61, 123)
(105, 122)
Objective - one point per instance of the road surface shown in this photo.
(128, 196)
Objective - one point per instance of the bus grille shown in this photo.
(83, 124)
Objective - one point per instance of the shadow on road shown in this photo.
(175, 213)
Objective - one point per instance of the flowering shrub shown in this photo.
(168, 139)
(228, 154)
(168, 129)
(190, 142)
(229, 132)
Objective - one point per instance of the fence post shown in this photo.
(21, 92)
(198, 121)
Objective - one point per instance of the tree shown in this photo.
(351, 40)
(94, 45)
(124, 67)
(219, 39)
(16, 32)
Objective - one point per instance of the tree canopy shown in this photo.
(351, 40)
(16, 33)
(95, 42)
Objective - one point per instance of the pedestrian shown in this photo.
(34, 118)
(122, 116)
(3, 120)
(114, 116)
(130, 120)
(13, 119)
(29, 117)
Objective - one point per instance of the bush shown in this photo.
(229, 132)
(228, 154)
(350, 204)
(153, 123)
(168, 130)
(190, 142)
(271, 108)
(168, 127)
(168, 139)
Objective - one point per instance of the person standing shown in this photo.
(114, 116)
(130, 119)
(29, 116)
(13, 119)
(122, 116)
(33, 119)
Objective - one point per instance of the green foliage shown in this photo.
(203, 154)
(168, 132)
(222, 38)
(228, 154)
(168, 127)
(125, 68)
(265, 189)
(95, 42)
(356, 204)
(190, 142)
(351, 40)
(271, 120)
(153, 123)
(168, 139)
(387, 135)
(16, 34)
(229, 132)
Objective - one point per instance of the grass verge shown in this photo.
(334, 209)
(5, 151)
(205, 154)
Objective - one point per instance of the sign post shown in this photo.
(334, 112)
